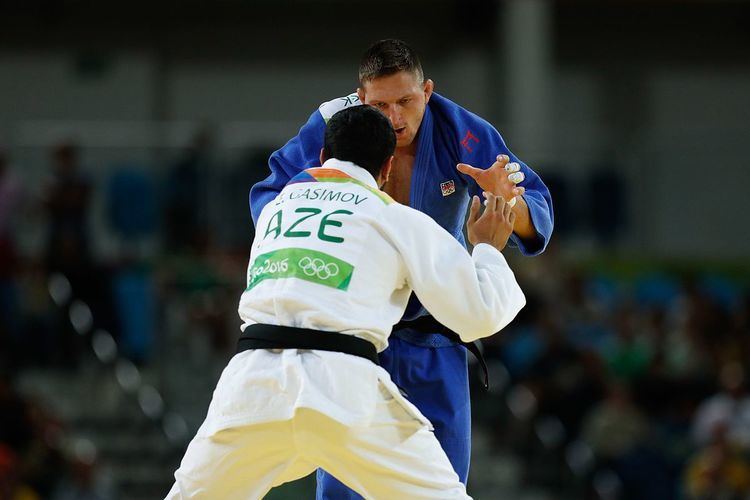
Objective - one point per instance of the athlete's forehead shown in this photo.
(392, 87)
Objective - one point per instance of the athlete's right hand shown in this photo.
(494, 226)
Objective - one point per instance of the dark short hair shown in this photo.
(361, 135)
(387, 57)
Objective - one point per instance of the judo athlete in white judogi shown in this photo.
(332, 266)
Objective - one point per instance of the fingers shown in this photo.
(489, 201)
(518, 191)
(516, 177)
(507, 210)
(501, 163)
(501, 204)
(495, 204)
(514, 172)
(467, 169)
(474, 210)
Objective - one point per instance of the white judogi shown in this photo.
(333, 253)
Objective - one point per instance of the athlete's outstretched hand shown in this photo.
(494, 225)
(500, 179)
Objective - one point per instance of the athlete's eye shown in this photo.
(405, 100)
(380, 105)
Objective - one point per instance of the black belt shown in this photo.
(428, 324)
(261, 336)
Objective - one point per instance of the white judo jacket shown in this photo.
(334, 253)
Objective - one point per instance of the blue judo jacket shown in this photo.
(448, 135)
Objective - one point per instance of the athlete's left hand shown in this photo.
(500, 179)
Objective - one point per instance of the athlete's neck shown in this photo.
(408, 150)
(405, 152)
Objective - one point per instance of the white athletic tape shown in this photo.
(516, 177)
(512, 167)
(512, 202)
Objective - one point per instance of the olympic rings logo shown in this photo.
(316, 267)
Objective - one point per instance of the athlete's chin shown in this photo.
(402, 142)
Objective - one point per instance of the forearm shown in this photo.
(523, 226)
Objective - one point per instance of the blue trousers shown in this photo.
(436, 380)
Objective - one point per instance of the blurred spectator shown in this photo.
(524, 342)
(11, 485)
(33, 465)
(676, 347)
(718, 472)
(67, 200)
(569, 381)
(131, 206)
(616, 425)
(135, 301)
(619, 433)
(584, 314)
(38, 341)
(83, 480)
(727, 412)
(133, 291)
(11, 194)
(631, 351)
(236, 230)
(10, 202)
(708, 324)
(16, 431)
(185, 198)
(741, 327)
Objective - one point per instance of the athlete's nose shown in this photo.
(395, 117)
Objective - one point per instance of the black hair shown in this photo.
(362, 135)
(387, 57)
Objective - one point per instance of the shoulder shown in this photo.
(396, 214)
(453, 116)
(472, 138)
(330, 108)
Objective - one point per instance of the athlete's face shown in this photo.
(402, 98)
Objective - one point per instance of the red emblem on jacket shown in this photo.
(465, 141)
(447, 187)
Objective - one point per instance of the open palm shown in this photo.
(500, 178)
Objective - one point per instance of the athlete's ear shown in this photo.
(428, 87)
(322, 156)
(361, 95)
(385, 171)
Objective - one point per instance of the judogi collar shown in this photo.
(352, 170)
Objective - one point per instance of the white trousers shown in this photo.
(393, 456)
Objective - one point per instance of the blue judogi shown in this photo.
(429, 367)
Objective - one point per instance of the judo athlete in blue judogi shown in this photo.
(444, 155)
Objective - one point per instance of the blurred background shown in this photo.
(131, 132)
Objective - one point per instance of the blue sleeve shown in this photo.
(300, 153)
(485, 146)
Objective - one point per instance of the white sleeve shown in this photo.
(475, 296)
